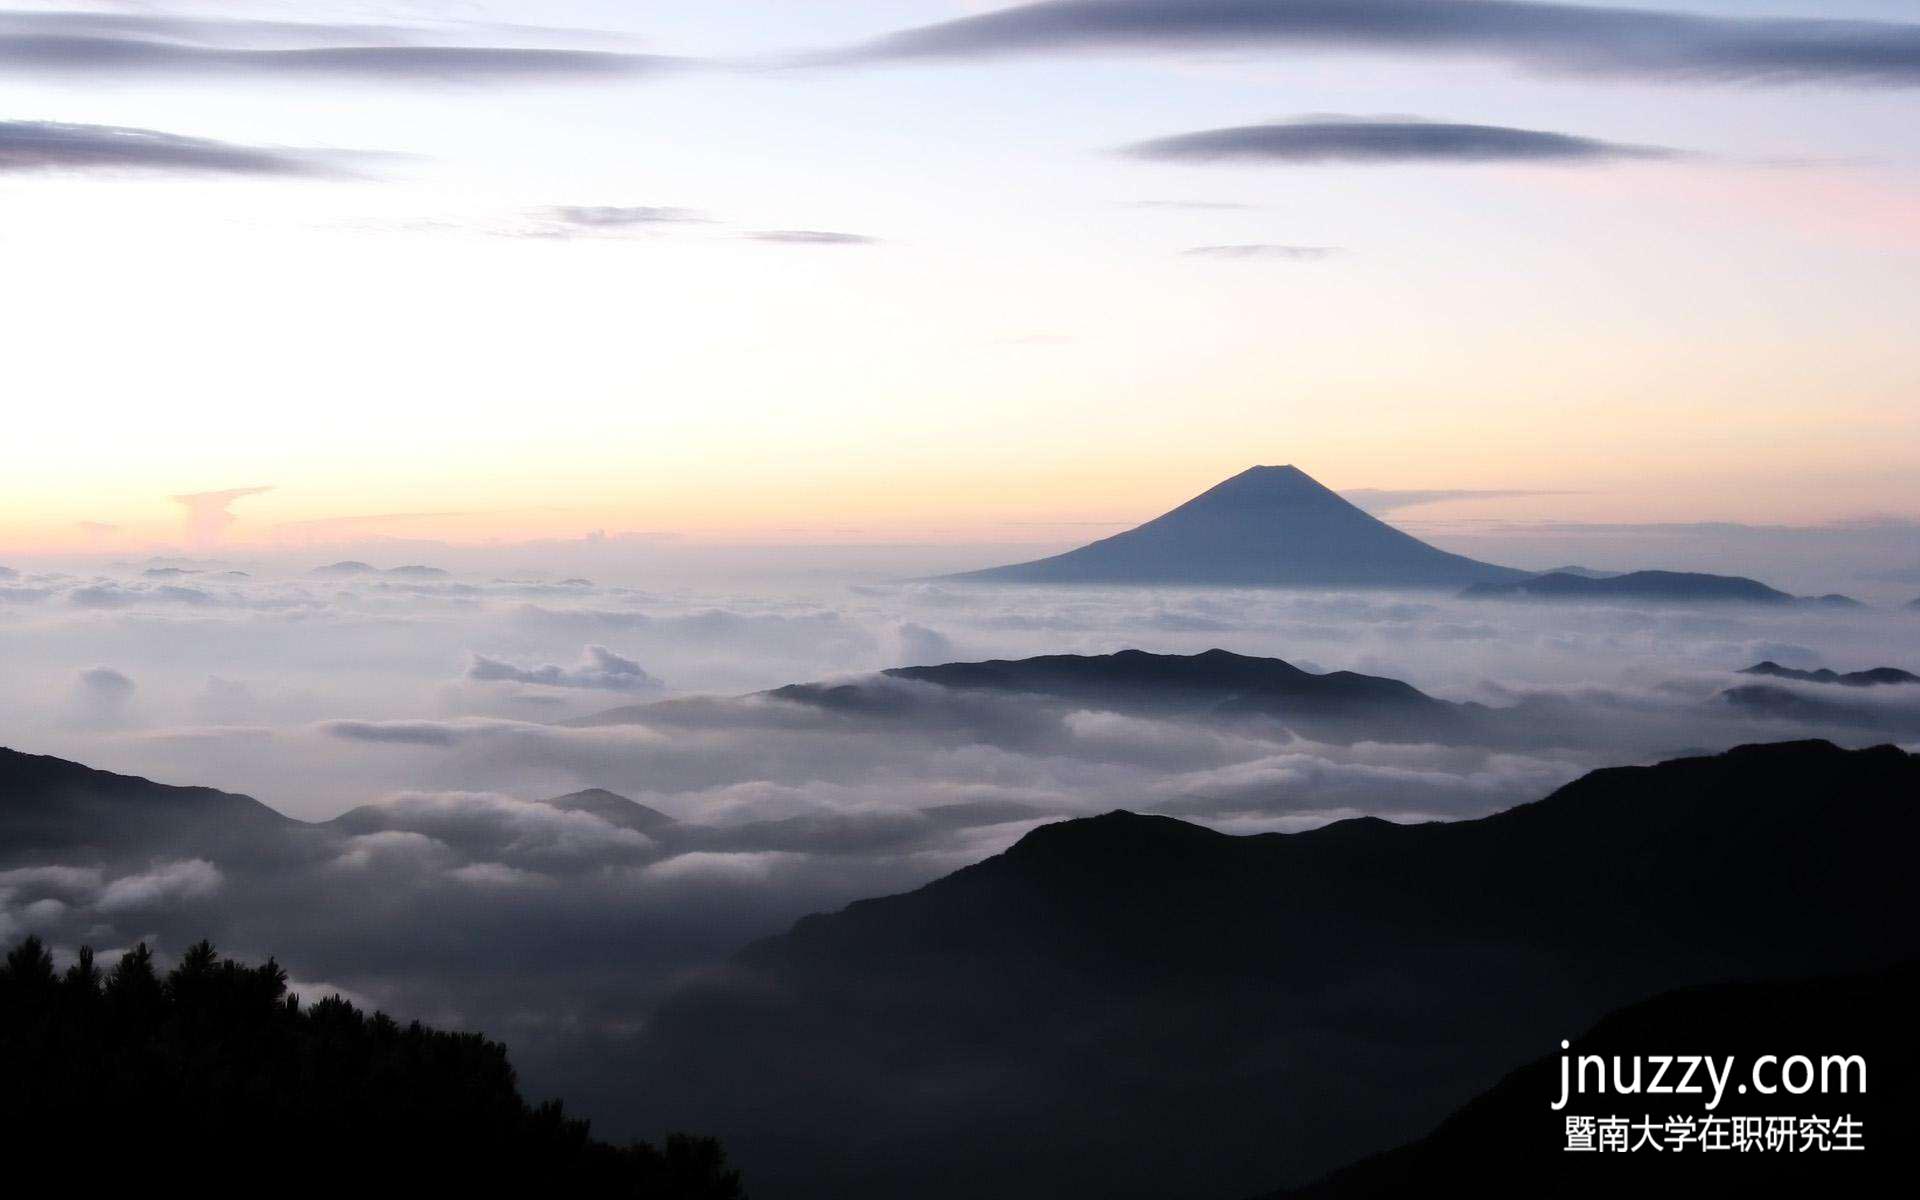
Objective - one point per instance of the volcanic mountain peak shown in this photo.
(1286, 483)
(1265, 527)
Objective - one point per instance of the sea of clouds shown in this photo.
(441, 706)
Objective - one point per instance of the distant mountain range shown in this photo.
(1130, 1006)
(1676, 586)
(1667, 587)
(350, 569)
(1882, 701)
(1875, 677)
(52, 807)
(1222, 688)
(1265, 527)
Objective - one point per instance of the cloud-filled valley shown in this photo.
(423, 723)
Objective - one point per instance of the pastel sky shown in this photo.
(830, 267)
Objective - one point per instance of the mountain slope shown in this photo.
(49, 802)
(1265, 527)
(1204, 1015)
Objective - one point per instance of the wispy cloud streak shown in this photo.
(1552, 38)
(1325, 139)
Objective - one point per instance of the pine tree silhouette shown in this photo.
(216, 1064)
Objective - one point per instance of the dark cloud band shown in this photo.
(1397, 140)
(812, 237)
(606, 216)
(206, 49)
(1570, 38)
(56, 146)
(1263, 250)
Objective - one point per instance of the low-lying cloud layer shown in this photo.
(448, 731)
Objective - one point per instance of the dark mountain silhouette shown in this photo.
(1835, 600)
(353, 567)
(1216, 682)
(614, 809)
(1876, 676)
(1159, 680)
(52, 803)
(1583, 572)
(1265, 527)
(1509, 1142)
(451, 827)
(345, 568)
(1337, 705)
(1133, 1006)
(1673, 586)
(214, 1060)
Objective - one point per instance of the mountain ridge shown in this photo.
(46, 800)
(1689, 586)
(1871, 677)
(1234, 995)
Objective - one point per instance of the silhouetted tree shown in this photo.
(216, 1064)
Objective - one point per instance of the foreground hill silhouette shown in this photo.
(214, 1061)
(1509, 1142)
(1133, 1006)
(1265, 527)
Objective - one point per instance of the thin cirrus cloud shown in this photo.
(1641, 44)
(1260, 250)
(59, 146)
(607, 216)
(811, 237)
(125, 46)
(1341, 139)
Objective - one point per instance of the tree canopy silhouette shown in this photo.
(215, 1063)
